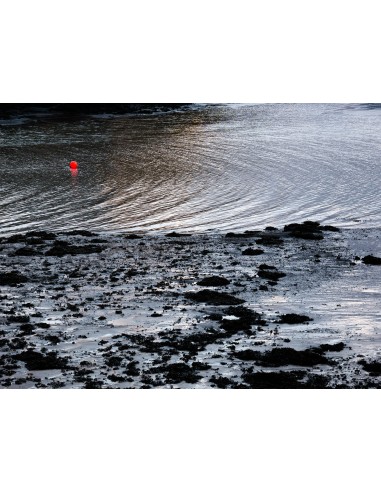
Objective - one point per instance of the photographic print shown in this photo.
(190, 209)
(148, 246)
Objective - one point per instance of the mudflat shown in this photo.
(296, 307)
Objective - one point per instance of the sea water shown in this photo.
(209, 167)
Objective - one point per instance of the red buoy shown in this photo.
(73, 165)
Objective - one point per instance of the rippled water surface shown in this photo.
(221, 167)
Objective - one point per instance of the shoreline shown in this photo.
(280, 308)
(22, 113)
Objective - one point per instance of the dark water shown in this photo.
(225, 167)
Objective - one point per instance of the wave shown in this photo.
(215, 167)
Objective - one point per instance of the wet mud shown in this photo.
(91, 311)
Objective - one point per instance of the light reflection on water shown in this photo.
(217, 167)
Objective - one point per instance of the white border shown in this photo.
(190, 51)
(171, 51)
(190, 440)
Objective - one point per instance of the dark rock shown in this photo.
(20, 381)
(63, 249)
(285, 380)
(177, 372)
(12, 278)
(252, 252)
(307, 230)
(177, 234)
(335, 347)
(133, 236)
(201, 366)
(18, 319)
(245, 314)
(27, 252)
(43, 325)
(274, 380)
(235, 325)
(220, 381)
(72, 307)
(293, 318)
(306, 226)
(316, 381)
(197, 341)
(248, 354)
(371, 367)
(288, 356)
(17, 343)
(270, 275)
(36, 361)
(114, 361)
(57, 384)
(79, 375)
(79, 232)
(99, 240)
(16, 238)
(213, 297)
(263, 266)
(93, 384)
(26, 328)
(53, 339)
(116, 379)
(146, 343)
(371, 260)
(246, 234)
(283, 357)
(131, 369)
(213, 281)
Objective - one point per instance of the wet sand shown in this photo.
(297, 307)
